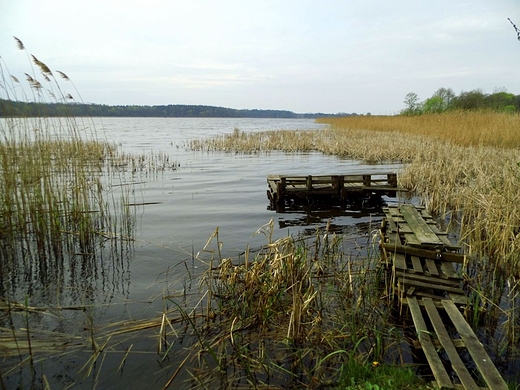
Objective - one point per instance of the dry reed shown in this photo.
(462, 164)
(275, 318)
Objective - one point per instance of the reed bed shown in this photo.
(464, 166)
(67, 219)
(290, 316)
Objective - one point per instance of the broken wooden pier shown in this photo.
(426, 279)
(288, 190)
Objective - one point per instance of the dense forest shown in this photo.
(10, 108)
(444, 99)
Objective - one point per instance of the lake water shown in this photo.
(183, 207)
(210, 190)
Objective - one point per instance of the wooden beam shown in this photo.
(445, 340)
(428, 253)
(439, 372)
(486, 367)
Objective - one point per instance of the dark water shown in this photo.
(183, 207)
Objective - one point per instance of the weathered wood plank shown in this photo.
(411, 239)
(416, 263)
(444, 338)
(404, 228)
(431, 266)
(430, 279)
(421, 284)
(486, 367)
(459, 299)
(439, 372)
(400, 261)
(427, 253)
(422, 231)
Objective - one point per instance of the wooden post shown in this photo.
(281, 190)
(392, 179)
(309, 183)
(367, 179)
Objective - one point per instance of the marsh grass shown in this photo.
(67, 222)
(281, 317)
(464, 165)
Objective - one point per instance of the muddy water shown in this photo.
(177, 210)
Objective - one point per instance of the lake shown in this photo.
(177, 210)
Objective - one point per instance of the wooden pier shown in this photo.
(426, 280)
(287, 190)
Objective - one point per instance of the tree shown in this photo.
(447, 95)
(411, 100)
(435, 104)
(470, 100)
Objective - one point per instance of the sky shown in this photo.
(326, 56)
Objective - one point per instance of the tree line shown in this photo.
(10, 108)
(444, 99)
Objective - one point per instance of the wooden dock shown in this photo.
(286, 191)
(426, 281)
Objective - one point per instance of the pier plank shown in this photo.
(486, 367)
(432, 267)
(421, 230)
(444, 338)
(417, 283)
(416, 263)
(427, 253)
(400, 261)
(430, 279)
(439, 372)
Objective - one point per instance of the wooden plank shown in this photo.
(439, 287)
(431, 266)
(427, 253)
(411, 239)
(439, 372)
(416, 263)
(486, 367)
(448, 270)
(404, 228)
(444, 338)
(400, 261)
(459, 299)
(422, 231)
(429, 279)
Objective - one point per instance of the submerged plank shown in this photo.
(444, 338)
(486, 367)
(439, 372)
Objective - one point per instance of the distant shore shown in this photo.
(9, 108)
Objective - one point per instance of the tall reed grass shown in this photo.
(290, 315)
(464, 165)
(56, 207)
(64, 227)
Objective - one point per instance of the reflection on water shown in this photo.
(176, 211)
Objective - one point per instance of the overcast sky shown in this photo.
(303, 56)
